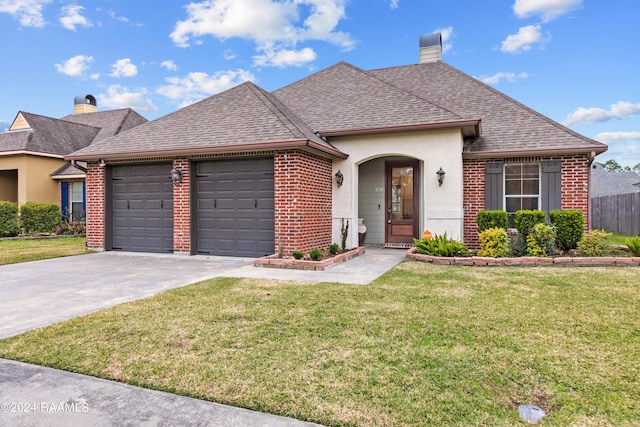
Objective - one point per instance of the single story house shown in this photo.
(251, 173)
(32, 150)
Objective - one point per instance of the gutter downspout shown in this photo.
(75, 164)
(592, 157)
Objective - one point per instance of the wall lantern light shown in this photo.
(176, 176)
(102, 163)
(440, 176)
(339, 178)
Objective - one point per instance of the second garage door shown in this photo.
(234, 207)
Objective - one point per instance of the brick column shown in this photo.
(575, 185)
(95, 179)
(473, 200)
(182, 209)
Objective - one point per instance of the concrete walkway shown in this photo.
(40, 293)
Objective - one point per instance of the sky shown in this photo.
(575, 61)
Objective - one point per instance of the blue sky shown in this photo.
(576, 61)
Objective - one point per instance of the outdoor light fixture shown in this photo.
(176, 176)
(102, 163)
(440, 176)
(339, 178)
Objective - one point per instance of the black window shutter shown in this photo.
(493, 186)
(551, 185)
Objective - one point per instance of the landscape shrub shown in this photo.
(569, 226)
(39, 217)
(634, 245)
(297, 254)
(334, 249)
(541, 241)
(440, 246)
(70, 228)
(494, 242)
(491, 219)
(524, 222)
(9, 225)
(315, 254)
(594, 243)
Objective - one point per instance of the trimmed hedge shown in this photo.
(9, 223)
(492, 219)
(39, 217)
(569, 227)
(525, 220)
(494, 242)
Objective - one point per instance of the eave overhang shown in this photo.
(30, 153)
(537, 152)
(469, 128)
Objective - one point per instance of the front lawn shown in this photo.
(422, 345)
(23, 250)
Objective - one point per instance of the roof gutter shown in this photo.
(476, 123)
(75, 164)
(30, 153)
(219, 149)
(523, 153)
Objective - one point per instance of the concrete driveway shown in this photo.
(40, 293)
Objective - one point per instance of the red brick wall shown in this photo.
(303, 201)
(95, 206)
(182, 209)
(575, 189)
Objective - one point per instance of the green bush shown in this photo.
(334, 248)
(594, 243)
(494, 242)
(39, 217)
(634, 245)
(569, 227)
(524, 222)
(492, 219)
(297, 254)
(315, 254)
(541, 241)
(9, 225)
(440, 246)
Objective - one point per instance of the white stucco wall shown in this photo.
(441, 208)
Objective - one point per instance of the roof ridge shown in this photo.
(520, 104)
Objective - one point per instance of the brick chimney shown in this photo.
(84, 104)
(430, 48)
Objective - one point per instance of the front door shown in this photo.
(402, 201)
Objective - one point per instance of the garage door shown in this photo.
(142, 208)
(234, 207)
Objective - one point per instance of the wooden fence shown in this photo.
(619, 213)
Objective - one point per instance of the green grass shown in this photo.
(618, 238)
(23, 250)
(422, 345)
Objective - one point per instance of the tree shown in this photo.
(612, 166)
(636, 168)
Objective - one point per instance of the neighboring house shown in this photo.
(250, 173)
(32, 165)
(606, 183)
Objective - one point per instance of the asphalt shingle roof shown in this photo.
(244, 116)
(111, 122)
(507, 125)
(605, 183)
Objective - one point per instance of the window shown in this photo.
(521, 188)
(76, 199)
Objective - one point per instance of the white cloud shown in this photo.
(169, 65)
(510, 77)
(275, 26)
(609, 137)
(447, 35)
(27, 12)
(196, 86)
(124, 68)
(548, 9)
(593, 115)
(71, 17)
(523, 40)
(75, 66)
(286, 58)
(229, 54)
(121, 97)
(395, 4)
(4, 126)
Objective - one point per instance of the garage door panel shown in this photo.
(239, 201)
(142, 208)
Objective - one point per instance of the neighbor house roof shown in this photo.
(58, 137)
(606, 183)
(242, 118)
(508, 127)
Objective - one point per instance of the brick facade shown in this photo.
(182, 209)
(575, 188)
(95, 179)
(303, 201)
